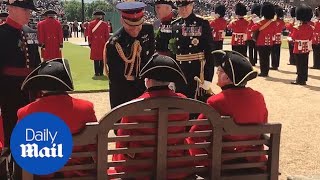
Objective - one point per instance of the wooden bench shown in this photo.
(87, 136)
(220, 126)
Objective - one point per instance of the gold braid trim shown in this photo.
(131, 60)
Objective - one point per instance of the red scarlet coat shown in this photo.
(97, 39)
(280, 25)
(302, 37)
(50, 34)
(265, 37)
(245, 106)
(239, 28)
(316, 32)
(86, 26)
(74, 112)
(218, 26)
(150, 93)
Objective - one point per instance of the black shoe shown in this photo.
(274, 68)
(299, 83)
(263, 75)
(314, 67)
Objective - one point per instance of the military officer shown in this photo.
(277, 40)
(316, 40)
(192, 44)
(289, 27)
(239, 27)
(3, 17)
(50, 36)
(98, 35)
(302, 36)
(255, 17)
(127, 51)
(266, 28)
(218, 25)
(18, 58)
(163, 9)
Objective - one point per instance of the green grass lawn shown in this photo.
(82, 69)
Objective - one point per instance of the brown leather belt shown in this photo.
(13, 71)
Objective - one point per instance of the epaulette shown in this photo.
(176, 20)
(113, 39)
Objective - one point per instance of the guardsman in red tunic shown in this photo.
(266, 28)
(316, 40)
(251, 43)
(218, 25)
(302, 38)
(243, 104)
(53, 79)
(98, 35)
(3, 17)
(277, 39)
(158, 73)
(86, 28)
(239, 27)
(50, 36)
(289, 27)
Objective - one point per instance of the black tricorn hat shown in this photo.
(293, 12)
(53, 75)
(256, 9)
(4, 14)
(49, 12)
(304, 13)
(163, 68)
(267, 10)
(26, 4)
(241, 9)
(235, 65)
(99, 13)
(181, 3)
(220, 9)
(279, 11)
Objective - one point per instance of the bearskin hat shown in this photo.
(256, 9)
(220, 9)
(279, 11)
(267, 10)
(293, 12)
(304, 13)
(241, 9)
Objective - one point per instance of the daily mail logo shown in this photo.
(41, 143)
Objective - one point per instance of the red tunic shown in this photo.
(97, 38)
(245, 106)
(239, 28)
(280, 25)
(74, 112)
(316, 33)
(86, 26)
(164, 92)
(50, 34)
(302, 37)
(266, 35)
(218, 26)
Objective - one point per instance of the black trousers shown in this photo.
(275, 55)
(302, 66)
(264, 54)
(316, 55)
(253, 53)
(242, 49)
(98, 67)
(218, 45)
(291, 57)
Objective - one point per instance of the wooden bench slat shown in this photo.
(243, 154)
(190, 169)
(247, 177)
(83, 154)
(243, 165)
(189, 146)
(188, 158)
(131, 138)
(189, 122)
(243, 143)
(134, 125)
(130, 150)
(131, 174)
(79, 167)
(130, 162)
(190, 134)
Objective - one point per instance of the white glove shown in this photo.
(289, 38)
(205, 85)
(256, 19)
(172, 86)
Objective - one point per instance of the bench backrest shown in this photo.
(87, 136)
(160, 108)
(270, 142)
